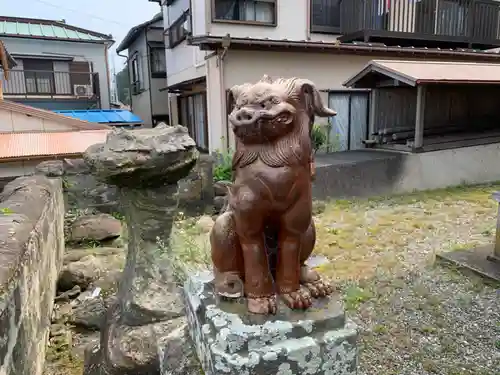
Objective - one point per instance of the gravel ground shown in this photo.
(415, 318)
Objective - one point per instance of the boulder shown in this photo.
(90, 269)
(89, 313)
(99, 227)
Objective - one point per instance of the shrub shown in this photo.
(319, 137)
(223, 169)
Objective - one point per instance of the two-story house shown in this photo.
(147, 70)
(59, 66)
(215, 44)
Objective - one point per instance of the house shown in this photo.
(215, 44)
(59, 66)
(147, 71)
(31, 135)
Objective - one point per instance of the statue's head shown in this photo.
(270, 109)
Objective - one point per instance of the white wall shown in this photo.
(141, 103)
(159, 99)
(292, 24)
(185, 62)
(85, 52)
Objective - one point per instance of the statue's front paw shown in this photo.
(262, 305)
(298, 300)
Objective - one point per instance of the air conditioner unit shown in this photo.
(83, 91)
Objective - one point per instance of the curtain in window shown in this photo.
(260, 11)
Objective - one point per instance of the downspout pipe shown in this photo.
(128, 77)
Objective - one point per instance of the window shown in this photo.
(158, 63)
(39, 76)
(193, 115)
(177, 32)
(135, 71)
(245, 11)
(325, 16)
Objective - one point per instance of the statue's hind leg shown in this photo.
(227, 257)
(309, 278)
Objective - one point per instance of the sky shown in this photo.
(114, 17)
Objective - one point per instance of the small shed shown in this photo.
(428, 105)
(112, 117)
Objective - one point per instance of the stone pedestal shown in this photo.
(229, 340)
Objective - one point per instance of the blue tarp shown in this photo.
(104, 116)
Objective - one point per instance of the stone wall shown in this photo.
(31, 253)
(83, 191)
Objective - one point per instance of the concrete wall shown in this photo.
(32, 238)
(378, 173)
(93, 52)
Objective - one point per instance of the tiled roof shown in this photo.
(50, 116)
(48, 29)
(35, 145)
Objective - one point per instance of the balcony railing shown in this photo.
(468, 23)
(29, 83)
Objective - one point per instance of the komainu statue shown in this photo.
(267, 232)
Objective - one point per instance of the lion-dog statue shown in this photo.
(270, 196)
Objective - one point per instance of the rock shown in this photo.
(51, 168)
(74, 255)
(70, 294)
(220, 188)
(90, 269)
(62, 313)
(99, 227)
(205, 223)
(89, 313)
(220, 204)
(177, 354)
(143, 158)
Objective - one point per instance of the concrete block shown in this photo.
(229, 340)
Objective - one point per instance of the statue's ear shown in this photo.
(305, 91)
(232, 95)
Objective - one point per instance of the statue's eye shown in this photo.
(263, 105)
(275, 100)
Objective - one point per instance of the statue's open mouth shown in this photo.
(253, 125)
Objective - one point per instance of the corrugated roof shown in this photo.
(32, 145)
(48, 29)
(50, 116)
(418, 72)
(103, 116)
(134, 32)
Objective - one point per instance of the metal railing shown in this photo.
(51, 84)
(474, 20)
